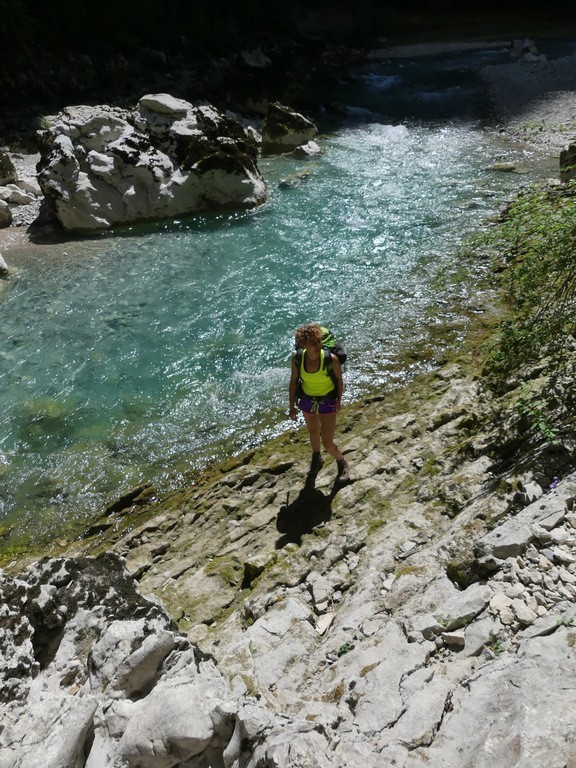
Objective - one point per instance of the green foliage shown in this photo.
(229, 570)
(345, 648)
(535, 409)
(536, 241)
(409, 570)
(495, 643)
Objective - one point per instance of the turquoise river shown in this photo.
(146, 354)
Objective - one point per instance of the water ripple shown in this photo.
(142, 355)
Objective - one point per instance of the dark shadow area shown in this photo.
(46, 229)
(301, 514)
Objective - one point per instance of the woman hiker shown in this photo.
(320, 376)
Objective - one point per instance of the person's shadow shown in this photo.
(300, 515)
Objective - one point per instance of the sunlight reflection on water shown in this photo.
(138, 356)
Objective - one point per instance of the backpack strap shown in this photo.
(299, 355)
(328, 367)
(326, 364)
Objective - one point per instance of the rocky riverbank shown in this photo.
(420, 615)
(308, 623)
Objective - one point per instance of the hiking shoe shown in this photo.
(343, 471)
(317, 462)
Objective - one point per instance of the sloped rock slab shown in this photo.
(513, 536)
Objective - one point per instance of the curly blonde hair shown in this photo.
(307, 333)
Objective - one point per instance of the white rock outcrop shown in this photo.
(7, 170)
(103, 166)
(5, 214)
(284, 130)
(94, 675)
(376, 630)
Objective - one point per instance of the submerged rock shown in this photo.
(105, 166)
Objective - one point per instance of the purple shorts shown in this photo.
(317, 404)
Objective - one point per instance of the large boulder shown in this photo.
(283, 130)
(104, 166)
(5, 214)
(7, 170)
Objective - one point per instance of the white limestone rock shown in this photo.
(361, 694)
(480, 634)
(324, 623)
(423, 626)
(381, 703)
(289, 747)
(102, 167)
(454, 639)
(465, 606)
(30, 185)
(13, 193)
(511, 712)
(165, 104)
(307, 151)
(423, 712)
(53, 732)
(513, 536)
(528, 493)
(523, 613)
(178, 720)
(500, 602)
(128, 655)
(321, 591)
(107, 680)
(283, 130)
(5, 214)
(7, 170)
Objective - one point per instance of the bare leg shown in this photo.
(313, 423)
(328, 429)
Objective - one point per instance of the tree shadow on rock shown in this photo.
(301, 514)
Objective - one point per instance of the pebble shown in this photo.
(548, 556)
(454, 639)
(566, 577)
(324, 623)
(515, 590)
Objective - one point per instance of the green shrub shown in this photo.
(536, 240)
